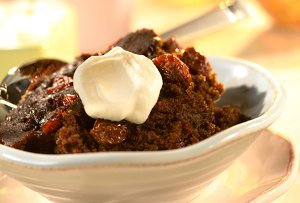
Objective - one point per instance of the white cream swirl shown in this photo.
(118, 85)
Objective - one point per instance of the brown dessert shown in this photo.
(51, 119)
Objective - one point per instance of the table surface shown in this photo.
(255, 39)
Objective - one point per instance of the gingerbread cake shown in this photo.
(50, 118)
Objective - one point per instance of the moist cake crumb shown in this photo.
(51, 119)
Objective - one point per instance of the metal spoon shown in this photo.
(227, 12)
(13, 86)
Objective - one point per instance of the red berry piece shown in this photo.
(109, 133)
(51, 125)
(69, 99)
(59, 84)
(173, 70)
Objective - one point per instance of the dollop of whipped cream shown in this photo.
(118, 85)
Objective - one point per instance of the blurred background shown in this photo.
(31, 29)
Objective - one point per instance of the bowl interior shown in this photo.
(245, 87)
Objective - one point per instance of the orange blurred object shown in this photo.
(285, 12)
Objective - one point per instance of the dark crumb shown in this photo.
(171, 46)
(41, 67)
(51, 119)
(144, 42)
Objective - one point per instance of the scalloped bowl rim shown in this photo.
(45, 161)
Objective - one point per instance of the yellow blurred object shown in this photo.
(190, 2)
(11, 57)
(284, 12)
(36, 29)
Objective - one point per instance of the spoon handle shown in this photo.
(6, 103)
(220, 16)
(3, 97)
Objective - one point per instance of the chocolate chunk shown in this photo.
(144, 42)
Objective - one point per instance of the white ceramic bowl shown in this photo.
(162, 176)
